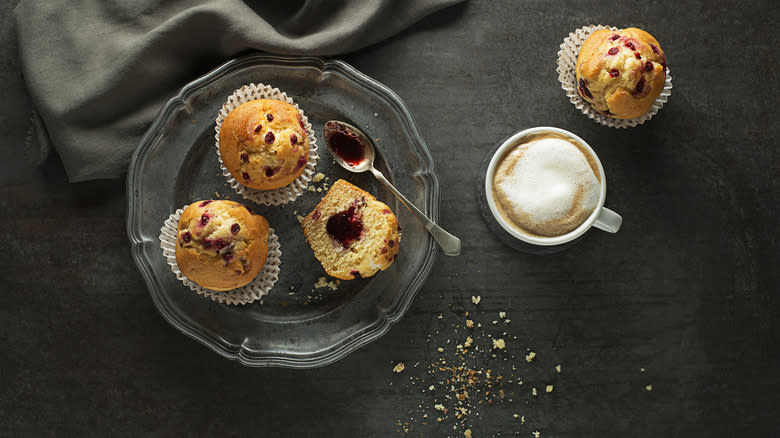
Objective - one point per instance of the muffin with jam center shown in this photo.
(351, 233)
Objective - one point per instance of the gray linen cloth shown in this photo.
(98, 71)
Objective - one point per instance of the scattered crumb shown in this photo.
(318, 177)
(472, 375)
(642, 370)
(649, 387)
(323, 282)
(399, 367)
(536, 434)
(467, 433)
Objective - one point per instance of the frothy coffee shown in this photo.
(547, 185)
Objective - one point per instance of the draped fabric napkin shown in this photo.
(98, 71)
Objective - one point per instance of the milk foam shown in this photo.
(546, 187)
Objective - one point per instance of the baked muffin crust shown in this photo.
(221, 245)
(263, 144)
(621, 73)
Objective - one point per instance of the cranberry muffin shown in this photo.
(621, 73)
(221, 245)
(351, 233)
(263, 144)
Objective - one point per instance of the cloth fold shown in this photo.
(98, 71)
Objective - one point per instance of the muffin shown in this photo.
(621, 73)
(351, 233)
(263, 144)
(221, 245)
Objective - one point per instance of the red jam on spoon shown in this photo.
(345, 144)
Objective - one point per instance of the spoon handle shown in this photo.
(449, 244)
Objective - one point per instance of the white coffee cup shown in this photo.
(600, 217)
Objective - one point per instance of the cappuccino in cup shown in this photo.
(546, 185)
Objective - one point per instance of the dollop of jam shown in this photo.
(345, 144)
(346, 226)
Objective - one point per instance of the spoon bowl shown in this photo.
(349, 146)
(354, 151)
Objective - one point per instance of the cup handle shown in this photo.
(608, 220)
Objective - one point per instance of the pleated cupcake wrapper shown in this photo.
(567, 74)
(284, 194)
(255, 290)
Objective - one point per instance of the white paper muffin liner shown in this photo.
(284, 194)
(255, 290)
(567, 74)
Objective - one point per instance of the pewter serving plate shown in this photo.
(297, 325)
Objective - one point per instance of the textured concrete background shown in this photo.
(686, 291)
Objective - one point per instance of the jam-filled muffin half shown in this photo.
(351, 233)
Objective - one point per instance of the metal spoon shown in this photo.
(354, 151)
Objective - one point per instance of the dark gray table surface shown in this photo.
(669, 328)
